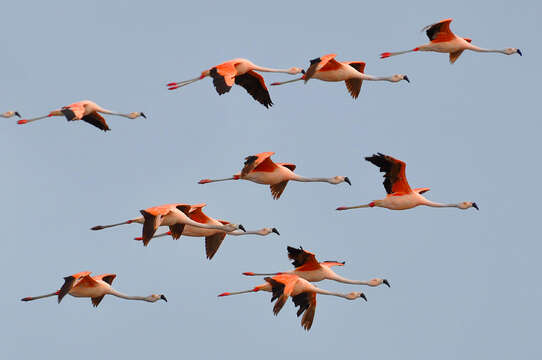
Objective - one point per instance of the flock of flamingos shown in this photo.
(190, 220)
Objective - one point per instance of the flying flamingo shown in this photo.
(173, 215)
(326, 68)
(308, 268)
(261, 169)
(400, 195)
(443, 40)
(9, 114)
(303, 294)
(241, 72)
(213, 237)
(94, 287)
(87, 111)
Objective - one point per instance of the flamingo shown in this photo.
(443, 40)
(303, 294)
(94, 287)
(308, 268)
(400, 195)
(9, 114)
(87, 111)
(326, 68)
(241, 72)
(173, 215)
(213, 237)
(261, 169)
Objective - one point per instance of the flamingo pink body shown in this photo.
(94, 287)
(241, 72)
(303, 294)
(261, 169)
(443, 40)
(400, 195)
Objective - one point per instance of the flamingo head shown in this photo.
(378, 282)
(339, 179)
(267, 231)
(134, 115)
(511, 51)
(467, 205)
(356, 295)
(399, 77)
(232, 227)
(295, 70)
(155, 297)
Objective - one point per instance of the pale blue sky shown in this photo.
(465, 284)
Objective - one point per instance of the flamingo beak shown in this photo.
(475, 206)
(303, 71)
(17, 114)
(143, 115)
(363, 296)
(163, 298)
(386, 282)
(275, 231)
(241, 227)
(347, 180)
(519, 52)
(406, 78)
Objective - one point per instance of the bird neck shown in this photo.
(479, 49)
(189, 221)
(127, 297)
(300, 178)
(375, 78)
(434, 204)
(250, 232)
(347, 281)
(326, 292)
(264, 69)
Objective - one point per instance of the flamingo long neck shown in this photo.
(264, 69)
(300, 178)
(127, 297)
(326, 292)
(375, 78)
(189, 221)
(434, 204)
(109, 112)
(251, 232)
(347, 281)
(479, 49)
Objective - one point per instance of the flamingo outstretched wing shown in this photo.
(323, 63)
(394, 169)
(439, 32)
(259, 162)
(254, 84)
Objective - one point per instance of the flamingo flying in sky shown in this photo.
(87, 111)
(308, 268)
(443, 40)
(303, 294)
(176, 216)
(326, 68)
(9, 114)
(400, 195)
(213, 237)
(261, 169)
(241, 72)
(94, 287)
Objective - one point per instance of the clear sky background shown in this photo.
(465, 284)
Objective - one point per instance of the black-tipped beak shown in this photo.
(303, 71)
(143, 115)
(275, 231)
(386, 282)
(519, 52)
(163, 298)
(347, 180)
(475, 206)
(241, 227)
(17, 114)
(363, 297)
(406, 78)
